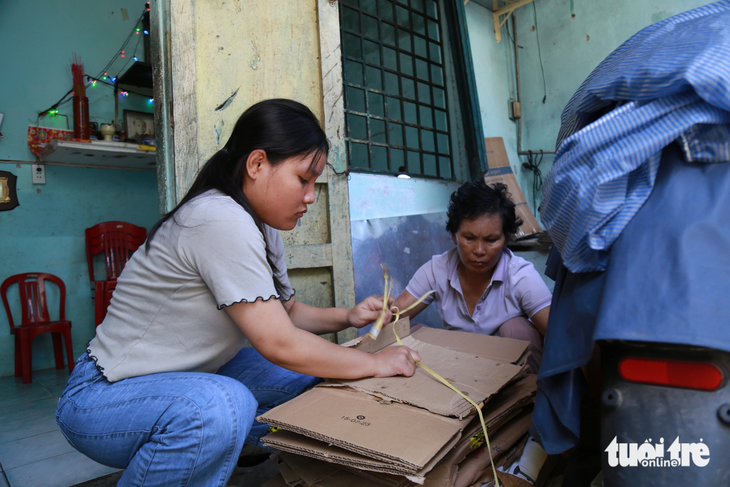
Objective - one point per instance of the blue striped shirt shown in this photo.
(670, 82)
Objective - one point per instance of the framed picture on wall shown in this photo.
(8, 195)
(139, 125)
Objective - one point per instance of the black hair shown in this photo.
(477, 198)
(281, 128)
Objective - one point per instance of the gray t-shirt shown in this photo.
(516, 289)
(166, 314)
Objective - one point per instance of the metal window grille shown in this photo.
(395, 89)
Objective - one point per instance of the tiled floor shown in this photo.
(33, 452)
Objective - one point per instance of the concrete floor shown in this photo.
(34, 453)
(242, 477)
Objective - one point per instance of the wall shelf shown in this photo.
(138, 77)
(100, 153)
(505, 10)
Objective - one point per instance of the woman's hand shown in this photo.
(399, 360)
(367, 311)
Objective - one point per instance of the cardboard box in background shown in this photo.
(501, 172)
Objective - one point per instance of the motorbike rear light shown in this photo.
(672, 373)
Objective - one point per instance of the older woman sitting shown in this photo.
(480, 286)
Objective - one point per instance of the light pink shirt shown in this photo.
(516, 289)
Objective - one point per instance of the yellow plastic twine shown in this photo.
(378, 325)
(396, 313)
(476, 406)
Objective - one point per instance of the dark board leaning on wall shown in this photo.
(403, 244)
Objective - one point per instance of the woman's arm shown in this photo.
(540, 320)
(331, 320)
(406, 299)
(270, 330)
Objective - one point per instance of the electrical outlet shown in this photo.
(515, 110)
(39, 173)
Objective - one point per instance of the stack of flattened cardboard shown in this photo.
(398, 431)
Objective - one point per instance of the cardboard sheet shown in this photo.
(506, 350)
(476, 377)
(500, 411)
(477, 365)
(400, 427)
(302, 445)
(441, 470)
(385, 338)
(518, 394)
(505, 460)
(445, 472)
(500, 349)
(286, 441)
(362, 424)
(478, 461)
(443, 475)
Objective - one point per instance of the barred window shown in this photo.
(396, 102)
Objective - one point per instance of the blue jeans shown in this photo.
(175, 428)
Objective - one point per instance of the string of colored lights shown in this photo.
(103, 77)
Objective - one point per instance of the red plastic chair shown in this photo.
(35, 320)
(117, 241)
(102, 298)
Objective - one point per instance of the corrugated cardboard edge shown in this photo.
(305, 445)
(487, 346)
(504, 461)
(375, 455)
(449, 403)
(330, 457)
(386, 480)
(286, 417)
(506, 437)
(498, 412)
(333, 458)
(368, 452)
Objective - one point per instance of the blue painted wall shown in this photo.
(495, 72)
(575, 36)
(39, 39)
(46, 232)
